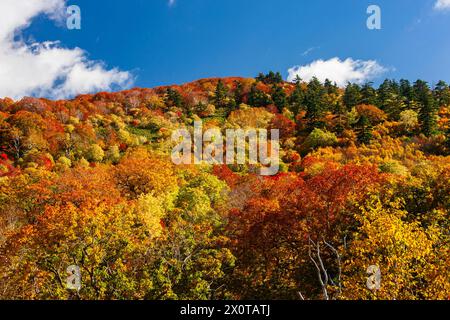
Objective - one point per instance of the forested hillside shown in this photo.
(364, 181)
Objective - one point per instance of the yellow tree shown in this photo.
(401, 249)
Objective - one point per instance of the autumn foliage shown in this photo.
(364, 181)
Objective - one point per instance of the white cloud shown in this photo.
(309, 50)
(442, 5)
(46, 69)
(341, 72)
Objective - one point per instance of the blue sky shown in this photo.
(160, 44)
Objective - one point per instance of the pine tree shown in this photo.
(238, 93)
(352, 96)
(390, 99)
(260, 77)
(270, 78)
(314, 102)
(368, 94)
(258, 98)
(330, 87)
(395, 87)
(340, 111)
(174, 98)
(407, 94)
(297, 79)
(364, 130)
(447, 140)
(428, 109)
(385, 92)
(277, 78)
(279, 97)
(442, 94)
(221, 95)
(406, 89)
(296, 99)
(421, 90)
(393, 105)
(427, 116)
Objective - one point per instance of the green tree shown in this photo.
(407, 93)
(95, 153)
(279, 97)
(270, 78)
(442, 94)
(320, 138)
(330, 87)
(393, 105)
(427, 116)
(364, 130)
(258, 98)
(406, 89)
(428, 107)
(368, 94)
(352, 96)
(173, 98)
(221, 95)
(390, 99)
(314, 102)
(238, 93)
(447, 140)
(296, 99)
(341, 114)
